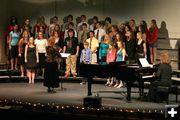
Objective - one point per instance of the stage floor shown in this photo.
(74, 95)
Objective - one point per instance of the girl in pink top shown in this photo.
(111, 56)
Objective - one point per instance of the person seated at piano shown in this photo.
(86, 56)
(120, 56)
(103, 49)
(93, 45)
(111, 56)
(163, 77)
(140, 47)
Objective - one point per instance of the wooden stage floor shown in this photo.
(73, 96)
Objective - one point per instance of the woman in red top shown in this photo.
(152, 40)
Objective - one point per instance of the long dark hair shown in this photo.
(13, 18)
(143, 28)
(153, 21)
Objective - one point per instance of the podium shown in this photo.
(64, 56)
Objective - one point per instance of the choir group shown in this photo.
(96, 42)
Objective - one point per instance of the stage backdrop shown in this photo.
(166, 12)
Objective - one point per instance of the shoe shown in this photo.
(30, 82)
(82, 83)
(107, 84)
(49, 89)
(111, 84)
(53, 91)
(74, 76)
(115, 85)
(120, 86)
(67, 75)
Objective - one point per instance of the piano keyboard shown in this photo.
(147, 76)
(175, 79)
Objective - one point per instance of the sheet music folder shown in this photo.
(65, 55)
(144, 62)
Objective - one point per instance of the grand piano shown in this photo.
(121, 70)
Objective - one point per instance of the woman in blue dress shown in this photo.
(121, 53)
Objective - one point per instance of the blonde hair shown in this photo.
(25, 33)
(139, 33)
(29, 40)
(164, 57)
(86, 43)
(109, 39)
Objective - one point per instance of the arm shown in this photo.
(81, 57)
(90, 53)
(20, 47)
(25, 54)
(46, 43)
(37, 55)
(107, 57)
(10, 39)
(77, 50)
(100, 49)
(114, 55)
(158, 73)
(64, 49)
(145, 50)
(144, 36)
(95, 48)
(65, 45)
(124, 54)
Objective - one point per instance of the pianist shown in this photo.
(164, 77)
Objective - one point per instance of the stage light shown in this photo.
(57, 107)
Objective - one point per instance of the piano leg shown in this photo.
(141, 88)
(89, 86)
(128, 85)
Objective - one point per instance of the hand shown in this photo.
(25, 60)
(9, 47)
(76, 54)
(37, 61)
(19, 55)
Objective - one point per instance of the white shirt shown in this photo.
(102, 33)
(91, 27)
(41, 45)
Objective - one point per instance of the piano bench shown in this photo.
(173, 89)
(163, 93)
